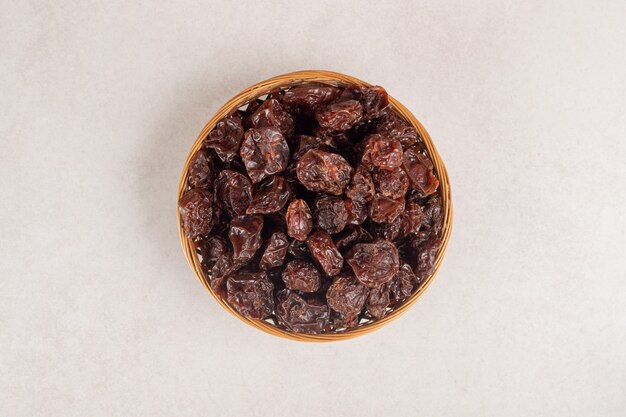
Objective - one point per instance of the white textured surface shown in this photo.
(100, 314)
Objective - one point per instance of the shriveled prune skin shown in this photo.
(374, 263)
(211, 250)
(402, 284)
(378, 301)
(225, 139)
(347, 295)
(420, 171)
(357, 211)
(196, 211)
(201, 170)
(339, 117)
(374, 99)
(233, 192)
(426, 255)
(389, 231)
(271, 197)
(299, 219)
(330, 213)
(264, 152)
(384, 209)
(433, 214)
(299, 315)
(245, 236)
(325, 253)
(302, 276)
(391, 183)
(308, 98)
(223, 268)
(250, 293)
(324, 172)
(382, 152)
(362, 185)
(272, 114)
(303, 143)
(411, 219)
(393, 127)
(350, 236)
(298, 249)
(275, 251)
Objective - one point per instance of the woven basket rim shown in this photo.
(328, 77)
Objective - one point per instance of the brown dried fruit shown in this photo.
(324, 172)
(362, 185)
(299, 219)
(391, 183)
(420, 171)
(330, 213)
(357, 212)
(250, 293)
(225, 139)
(374, 263)
(382, 152)
(233, 192)
(299, 315)
(245, 236)
(275, 251)
(264, 152)
(347, 295)
(201, 170)
(272, 196)
(393, 127)
(302, 276)
(272, 114)
(339, 117)
(196, 212)
(309, 97)
(384, 209)
(323, 251)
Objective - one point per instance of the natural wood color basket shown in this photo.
(333, 78)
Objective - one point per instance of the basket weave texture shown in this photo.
(337, 79)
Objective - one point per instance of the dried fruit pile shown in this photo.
(316, 207)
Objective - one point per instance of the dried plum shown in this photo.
(347, 295)
(330, 213)
(324, 172)
(271, 197)
(299, 315)
(339, 117)
(245, 236)
(302, 276)
(374, 263)
(251, 294)
(233, 192)
(272, 114)
(225, 139)
(299, 219)
(264, 152)
(323, 251)
(201, 170)
(275, 251)
(420, 171)
(196, 211)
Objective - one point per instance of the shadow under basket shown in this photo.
(282, 82)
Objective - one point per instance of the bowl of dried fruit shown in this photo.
(314, 206)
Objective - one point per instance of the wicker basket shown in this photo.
(333, 78)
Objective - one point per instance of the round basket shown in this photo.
(337, 79)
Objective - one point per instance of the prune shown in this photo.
(302, 276)
(393, 127)
(330, 213)
(420, 171)
(323, 251)
(264, 152)
(323, 172)
(223, 268)
(271, 197)
(347, 295)
(303, 143)
(357, 211)
(340, 321)
(299, 219)
(378, 301)
(382, 152)
(391, 183)
(339, 117)
(272, 114)
(308, 98)
(389, 231)
(298, 249)
(299, 315)
(426, 255)
(374, 99)
(201, 170)
(250, 293)
(374, 263)
(245, 236)
(196, 211)
(411, 219)
(433, 214)
(275, 251)
(226, 138)
(402, 284)
(350, 236)
(211, 250)
(384, 209)
(233, 192)
(362, 186)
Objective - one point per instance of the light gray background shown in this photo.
(100, 314)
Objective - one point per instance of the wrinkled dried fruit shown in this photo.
(384, 209)
(299, 315)
(347, 295)
(378, 301)
(420, 171)
(323, 172)
(323, 251)
(391, 183)
(330, 213)
(264, 152)
(233, 192)
(362, 185)
(245, 236)
(350, 236)
(272, 196)
(411, 219)
(250, 293)
(433, 214)
(393, 127)
(402, 284)
(272, 114)
(382, 152)
(196, 211)
(389, 231)
(339, 117)
(357, 212)
(298, 249)
(426, 255)
(226, 138)
(201, 170)
(374, 263)
(299, 219)
(275, 251)
(308, 98)
(302, 276)
(211, 250)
